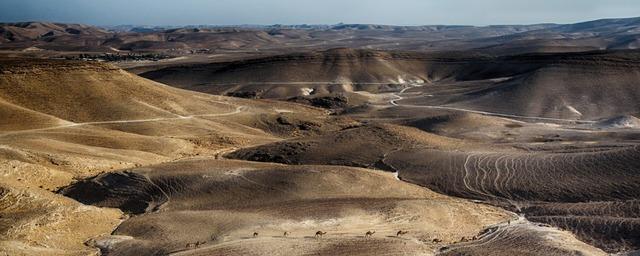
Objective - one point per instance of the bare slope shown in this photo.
(516, 177)
(34, 37)
(576, 91)
(363, 146)
(25, 31)
(64, 120)
(223, 203)
(522, 238)
(287, 75)
(47, 105)
(80, 92)
(592, 35)
(591, 85)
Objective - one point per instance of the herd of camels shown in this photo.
(319, 234)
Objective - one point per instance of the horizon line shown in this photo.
(316, 24)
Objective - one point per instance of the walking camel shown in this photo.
(286, 234)
(319, 234)
(400, 232)
(195, 245)
(255, 234)
(369, 233)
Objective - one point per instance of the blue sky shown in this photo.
(397, 12)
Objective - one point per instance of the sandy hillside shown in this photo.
(252, 140)
(69, 120)
(223, 203)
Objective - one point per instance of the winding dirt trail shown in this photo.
(238, 110)
(398, 97)
(520, 231)
(490, 234)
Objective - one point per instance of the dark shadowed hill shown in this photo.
(590, 189)
(589, 85)
(340, 65)
(571, 86)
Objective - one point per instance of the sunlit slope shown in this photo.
(91, 92)
(223, 203)
(61, 121)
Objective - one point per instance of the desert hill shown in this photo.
(522, 141)
(506, 177)
(38, 36)
(594, 35)
(496, 39)
(235, 199)
(588, 86)
(583, 36)
(340, 65)
(23, 31)
(192, 39)
(65, 120)
(625, 121)
(82, 104)
(319, 73)
(526, 179)
(95, 92)
(363, 146)
(589, 90)
(529, 238)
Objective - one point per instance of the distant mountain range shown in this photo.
(498, 39)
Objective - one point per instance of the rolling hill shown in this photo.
(579, 86)
(522, 141)
(535, 181)
(495, 39)
(65, 120)
(234, 199)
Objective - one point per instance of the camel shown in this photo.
(286, 234)
(369, 233)
(255, 234)
(319, 234)
(195, 245)
(400, 232)
(436, 241)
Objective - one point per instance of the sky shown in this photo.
(391, 12)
